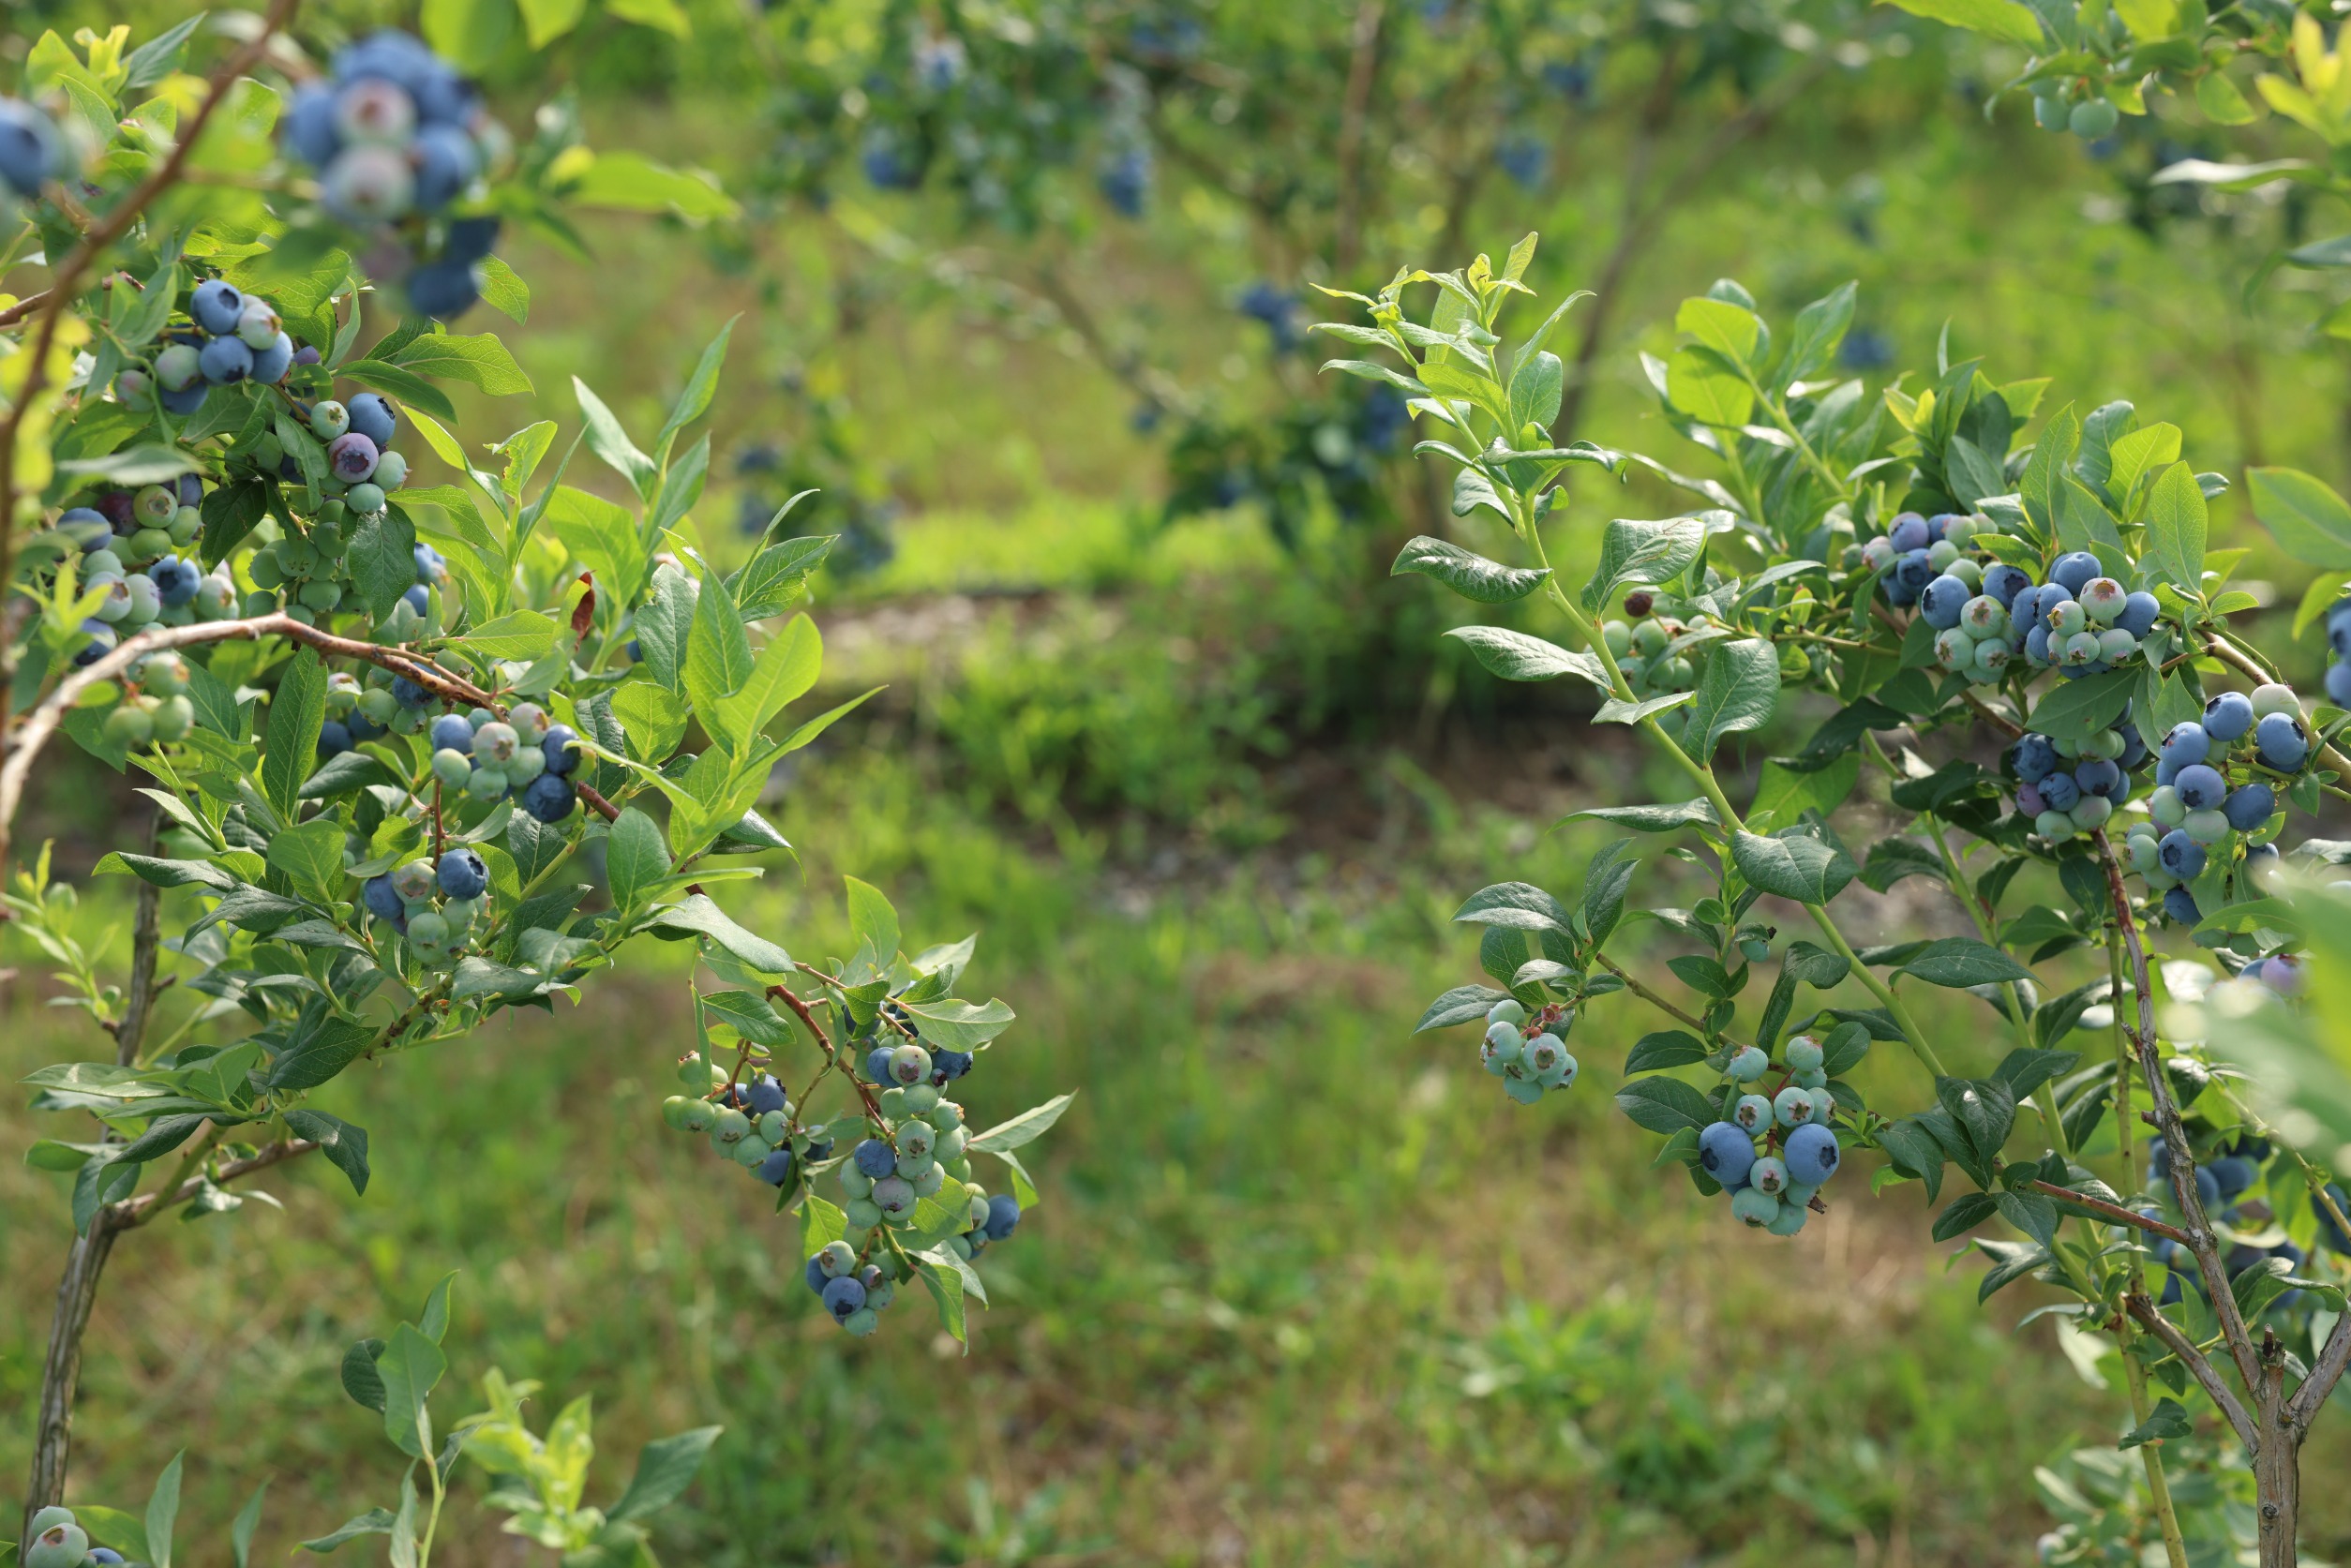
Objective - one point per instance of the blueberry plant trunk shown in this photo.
(1945, 572)
(385, 723)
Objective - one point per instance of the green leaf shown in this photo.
(1536, 387)
(1984, 1108)
(2168, 1420)
(664, 626)
(518, 634)
(480, 360)
(312, 855)
(1820, 326)
(2078, 709)
(699, 388)
(701, 917)
(1653, 819)
(2003, 20)
(960, 1025)
(375, 1521)
(635, 857)
(1665, 1105)
(1518, 905)
(1963, 961)
(2309, 520)
(2176, 528)
(1517, 656)
(1467, 572)
(1673, 1048)
(1464, 1004)
(784, 671)
(608, 440)
(382, 557)
(409, 1367)
(1616, 710)
(546, 20)
(404, 384)
(1026, 1127)
(665, 1469)
(291, 745)
(241, 1528)
(944, 1279)
(1729, 330)
(1736, 690)
(630, 182)
(718, 655)
(163, 1511)
(344, 1144)
(777, 577)
(1699, 386)
(314, 1057)
(1794, 867)
(603, 538)
(1637, 553)
(654, 718)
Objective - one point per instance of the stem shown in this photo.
(2205, 1373)
(2150, 1454)
(2045, 1098)
(1726, 814)
(1660, 1002)
(432, 1520)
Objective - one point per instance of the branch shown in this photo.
(65, 283)
(2144, 1313)
(824, 1042)
(2333, 1356)
(42, 722)
(2115, 1212)
(602, 807)
(24, 307)
(132, 1213)
(1659, 1002)
(2166, 1116)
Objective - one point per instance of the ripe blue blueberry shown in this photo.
(550, 798)
(948, 1066)
(2338, 685)
(2180, 855)
(2074, 571)
(445, 287)
(2332, 1235)
(2280, 742)
(462, 873)
(1940, 602)
(557, 748)
(382, 900)
(1726, 1152)
(2233, 1174)
(844, 1296)
(30, 148)
(1911, 574)
(225, 361)
(1003, 1214)
(766, 1094)
(2059, 793)
(273, 359)
(877, 1064)
(2200, 787)
(775, 1167)
(1909, 533)
(351, 457)
(2186, 743)
(452, 732)
(2035, 758)
(2098, 777)
(217, 306)
(2249, 806)
(876, 1158)
(334, 739)
(373, 417)
(2180, 906)
(2004, 582)
(1811, 1154)
(2140, 613)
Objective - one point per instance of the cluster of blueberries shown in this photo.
(57, 1540)
(486, 757)
(2092, 119)
(434, 904)
(127, 541)
(924, 1150)
(32, 150)
(1773, 1191)
(2210, 792)
(2224, 1185)
(2069, 787)
(1986, 614)
(397, 134)
(750, 1124)
(854, 1292)
(1644, 650)
(234, 337)
(1529, 1058)
(157, 707)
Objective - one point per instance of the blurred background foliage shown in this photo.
(1024, 285)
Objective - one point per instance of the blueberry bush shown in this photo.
(2013, 632)
(428, 733)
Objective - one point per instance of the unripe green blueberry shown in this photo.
(731, 1127)
(836, 1260)
(2066, 619)
(916, 1139)
(977, 1213)
(172, 718)
(946, 1115)
(1649, 639)
(929, 1180)
(673, 1112)
(2207, 828)
(1747, 1066)
(2165, 806)
(391, 473)
(2092, 119)
(951, 1145)
(775, 1127)
(894, 1196)
(2107, 744)
(1810, 1078)
(854, 1182)
(959, 1168)
(860, 1213)
(429, 930)
(1966, 568)
(1823, 1103)
(1788, 1221)
(920, 1099)
(863, 1321)
(365, 497)
(49, 1518)
(2090, 811)
(130, 726)
(1791, 1107)
(1752, 1113)
(1941, 554)
(2055, 826)
(1992, 659)
(698, 1116)
(329, 419)
(894, 1103)
(186, 523)
(1955, 650)
(452, 767)
(909, 1065)
(1769, 1175)
(1508, 1010)
(961, 1248)
(749, 1150)
(61, 1546)
(1753, 1207)
(1618, 636)
(2081, 648)
(486, 784)
(2117, 645)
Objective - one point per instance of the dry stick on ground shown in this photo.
(65, 282)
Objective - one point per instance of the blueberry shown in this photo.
(382, 900)
(217, 306)
(876, 1158)
(2037, 645)
(2140, 611)
(2180, 906)
(445, 289)
(272, 360)
(469, 239)
(1941, 600)
(2208, 1187)
(462, 873)
(1909, 533)
(105, 1554)
(1752, 1113)
(894, 1196)
(2228, 716)
(1811, 1154)
(351, 457)
(176, 580)
(2187, 743)
(1912, 573)
(844, 1296)
(334, 739)
(2180, 855)
(452, 732)
(373, 417)
(2233, 1174)
(408, 693)
(948, 1066)
(2249, 806)
(1792, 1107)
(2059, 792)
(30, 148)
(1753, 1207)
(1003, 1214)
(557, 748)
(910, 1063)
(1804, 1053)
(2098, 777)
(2004, 582)
(1750, 1064)
(2074, 571)
(225, 361)
(2200, 787)
(2329, 1232)
(775, 1167)
(2338, 685)
(550, 797)
(1725, 1151)
(2272, 697)
(2280, 742)
(446, 161)
(766, 1094)
(877, 1064)
(1769, 1175)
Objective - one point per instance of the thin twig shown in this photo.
(132, 1213)
(2208, 1377)
(2115, 1212)
(1659, 1002)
